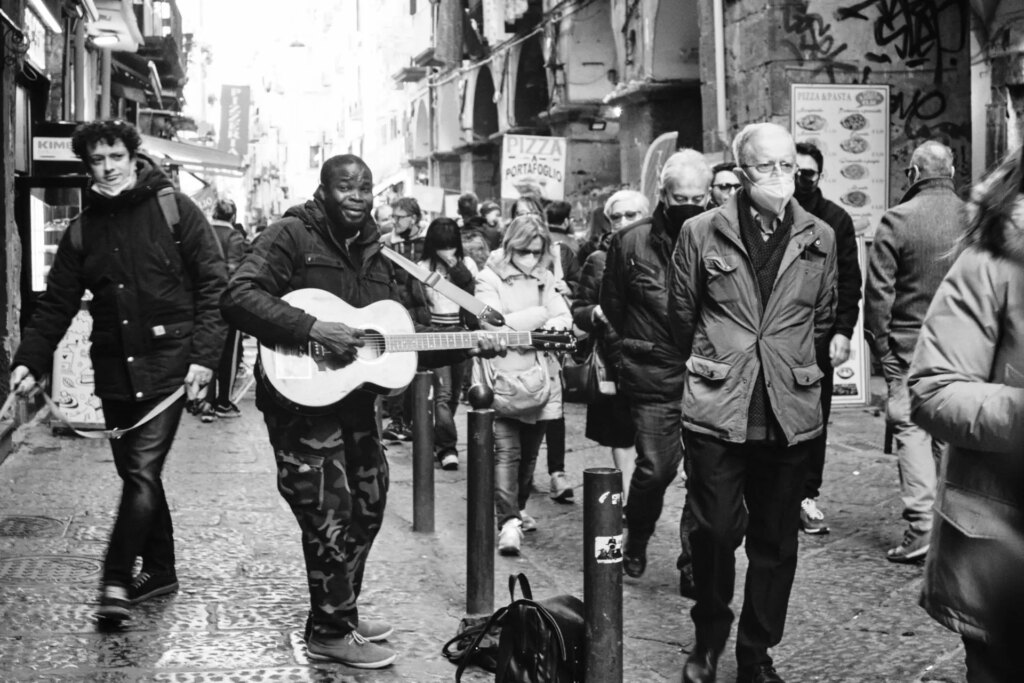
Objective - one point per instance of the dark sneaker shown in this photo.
(207, 414)
(634, 557)
(913, 548)
(812, 520)
(396, 431)
(146, 586)
(765, 673)
(114, 604)
(353, 650)
(230, 410)
(561, 489)
(374, 631)
(449, 460)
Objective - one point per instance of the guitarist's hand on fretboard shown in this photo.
(338, 339)
(489, 346)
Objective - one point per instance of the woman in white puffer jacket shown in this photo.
(518, 283)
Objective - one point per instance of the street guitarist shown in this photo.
(331, 467)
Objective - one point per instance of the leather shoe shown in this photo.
(762, 674)
(634, 557)
(700, 667)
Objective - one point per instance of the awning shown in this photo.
(195, 158)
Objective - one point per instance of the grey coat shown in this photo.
(716, 317)
(911, 253)
(967, 388)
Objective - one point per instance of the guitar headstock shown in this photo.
(553, 340)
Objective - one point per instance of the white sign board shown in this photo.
(850, 381)
(430, 199)
(850, 125)
(533, 164)
(52, 149)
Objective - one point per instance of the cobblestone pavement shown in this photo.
(853, 615)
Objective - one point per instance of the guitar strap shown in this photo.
(438, 283)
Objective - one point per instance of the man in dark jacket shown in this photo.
(752, 291)
(331, 467)
(835, 348)
(634, 299)
(911, 253)
(156, 327)
(234, 248)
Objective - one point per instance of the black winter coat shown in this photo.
(634, 298)
(588, 297)
(847, 261)
(154, 305)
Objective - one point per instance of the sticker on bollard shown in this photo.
(615, 497)
(608, 549)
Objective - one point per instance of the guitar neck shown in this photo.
(441, 341)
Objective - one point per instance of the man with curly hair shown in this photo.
(156, 327)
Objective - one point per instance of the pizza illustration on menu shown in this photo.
(850, 125)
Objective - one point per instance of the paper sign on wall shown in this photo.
(533, 164)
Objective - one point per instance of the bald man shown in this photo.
(911, 253)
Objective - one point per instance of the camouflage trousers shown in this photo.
(332, 471)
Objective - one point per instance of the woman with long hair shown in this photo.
(518, 283)
(967, 388)
(442, 254)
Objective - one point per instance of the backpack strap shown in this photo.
(168, 201)
(75, 232)
(495, 619)
(524, 585)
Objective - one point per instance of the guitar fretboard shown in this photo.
(439, 341)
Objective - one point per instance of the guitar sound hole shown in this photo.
(374, 345)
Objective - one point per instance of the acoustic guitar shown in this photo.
(311, 376)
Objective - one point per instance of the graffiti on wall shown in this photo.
(918, 46)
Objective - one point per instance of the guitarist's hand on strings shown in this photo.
(338, 338)
(489, 345)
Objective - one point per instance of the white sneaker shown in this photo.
(510, 538)
(561, 489)
(812, 520)
(529, 523)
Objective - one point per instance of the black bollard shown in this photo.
(480, 502)
(422, 453)
(602, 573)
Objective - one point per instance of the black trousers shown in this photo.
(738, 490)
(816, 457)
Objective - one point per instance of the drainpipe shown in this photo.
(80, 63)
(718, 17)
(105, 94)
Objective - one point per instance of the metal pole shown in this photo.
(480, 502)
(106, 97)
(602, 573)
(422, 453)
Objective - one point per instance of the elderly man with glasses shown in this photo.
(634, 299)
(752, 288)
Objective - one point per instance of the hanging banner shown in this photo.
(850, 125)
(533, 164)
(234, 119)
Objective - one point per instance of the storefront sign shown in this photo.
(52, 149)
(234, 119)
(533, 164)
(850, 125)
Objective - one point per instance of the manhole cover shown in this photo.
(49, 569)
(29, 527)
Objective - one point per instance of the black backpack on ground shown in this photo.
(540, 641)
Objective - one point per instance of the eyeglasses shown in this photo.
(807, 174)
(400, 216)
(727, 187)
(529, 252)
(628, 215)
(785, 167)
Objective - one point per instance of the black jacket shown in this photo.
(299, 251)
(634, 298)
(588, 297)
(232, 244)
(847, 262)
(154, 305)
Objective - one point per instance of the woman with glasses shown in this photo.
(724, 182)
(443, 254)
(609, 422)
(518, 283)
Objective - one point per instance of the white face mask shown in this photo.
(526, 263)
(446, 254)
(772, 193)
(112, 190)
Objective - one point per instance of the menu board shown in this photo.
(850, 125)
(73, 376)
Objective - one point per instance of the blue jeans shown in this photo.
(659, 450)
(143, 526)
(516, 445)
(447, 385)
